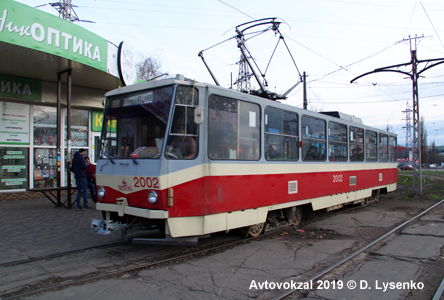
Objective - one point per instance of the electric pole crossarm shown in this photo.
(379, 71)
(431, 66)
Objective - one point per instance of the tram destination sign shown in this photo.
(139, 99)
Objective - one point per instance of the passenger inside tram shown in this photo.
(186, 144)
(312, 153)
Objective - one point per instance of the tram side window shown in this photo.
(393, 151)
(383, 147)
(371, 145)
(183, 136)
(337, 142)
(356, 144)
(233, 129)
(281, 135)
(313, 139)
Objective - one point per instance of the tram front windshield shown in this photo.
(134, 124)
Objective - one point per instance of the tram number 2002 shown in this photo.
(148, 182)
(337, 178)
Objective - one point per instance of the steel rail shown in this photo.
(439, 291)
(140, 267)
(56, 255)
(341, 262)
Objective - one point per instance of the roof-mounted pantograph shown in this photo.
(247, 31)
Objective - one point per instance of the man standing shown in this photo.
(91, 178)
(78, 167)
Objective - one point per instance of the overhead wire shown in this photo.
(236, 9)
(410, 20)
(431, 23)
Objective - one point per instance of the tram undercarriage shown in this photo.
(137, 228)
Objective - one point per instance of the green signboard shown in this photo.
(23, 88)
(28, 27)
(97, 122)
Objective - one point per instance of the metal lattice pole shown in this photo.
(417, 162)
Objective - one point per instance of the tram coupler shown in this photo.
(104, 227)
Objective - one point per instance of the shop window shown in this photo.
(69, 174)
(45, 168)
(45, 125)
(79, 128)
(14, 171)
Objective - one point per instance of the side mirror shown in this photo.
(198, 115)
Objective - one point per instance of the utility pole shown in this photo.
(417, 168)
(414, 75)
(408, 130)
(66, 11)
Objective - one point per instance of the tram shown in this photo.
(183, 159)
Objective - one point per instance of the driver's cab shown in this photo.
(182, 142)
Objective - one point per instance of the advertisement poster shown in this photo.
(14, 123)
(14, 168)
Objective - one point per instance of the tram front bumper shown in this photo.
(122, 208)
(107, 226)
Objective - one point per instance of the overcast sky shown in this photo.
(333, 41)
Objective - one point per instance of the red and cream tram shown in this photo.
(188, 159)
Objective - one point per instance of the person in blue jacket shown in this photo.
(78, 167)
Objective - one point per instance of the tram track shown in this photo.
(58, 255)
(57, 284)
(138, 267)
(362, 250)
(123, 243)
(202, 251)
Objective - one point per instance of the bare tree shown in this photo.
(148, 68)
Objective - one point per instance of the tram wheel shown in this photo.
(255, 230)
(297, 218)
(365, 202)
(127, 233)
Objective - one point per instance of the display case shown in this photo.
(45, 168)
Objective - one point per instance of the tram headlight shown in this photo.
(152, 197)
(101, 192)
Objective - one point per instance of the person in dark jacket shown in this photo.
(78, 167)
(91, 178)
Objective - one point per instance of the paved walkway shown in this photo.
(32, 228)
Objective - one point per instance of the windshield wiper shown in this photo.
(110, 158)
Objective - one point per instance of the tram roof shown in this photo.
(180, 79)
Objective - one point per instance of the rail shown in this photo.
(341, 262)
